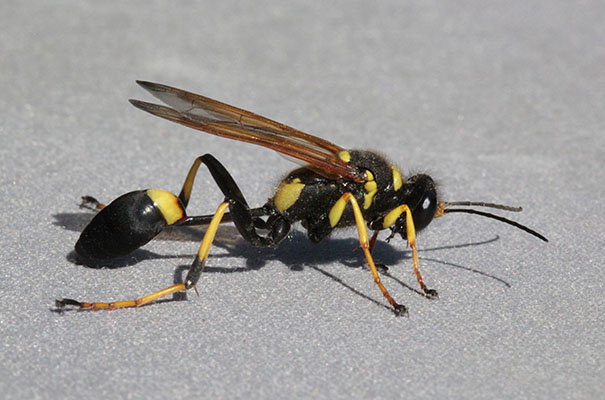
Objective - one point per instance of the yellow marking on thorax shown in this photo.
(338, 208)
(344, 156)
(168, 204)
(397, 180)
(371, 188)
(287, 194)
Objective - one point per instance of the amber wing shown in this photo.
(212, 116)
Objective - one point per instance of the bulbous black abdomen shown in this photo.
(126, 224)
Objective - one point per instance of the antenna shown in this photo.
(445, 210)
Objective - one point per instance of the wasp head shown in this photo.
(419, 193)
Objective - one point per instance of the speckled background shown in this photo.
(499, 101)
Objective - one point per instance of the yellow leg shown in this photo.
(365, 245)
(180, 287)
(389, 220)
(123, 303)
(200, 260)
(185, 194)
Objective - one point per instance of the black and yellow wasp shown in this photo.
(336, 188)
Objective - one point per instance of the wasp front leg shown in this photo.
(393, 219)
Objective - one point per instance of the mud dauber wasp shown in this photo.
(316, 195)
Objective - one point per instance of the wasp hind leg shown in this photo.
(192, 277)
(245, 219)
(91, 203)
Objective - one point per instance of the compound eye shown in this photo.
(424, 213)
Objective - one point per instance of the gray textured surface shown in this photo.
(500, 102)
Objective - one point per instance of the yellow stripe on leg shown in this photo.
(389, 220)
(197, 267)
(132, 303)
(211, 232)
(188, 184)
(392, 216)
(180, 287)
(365, 245)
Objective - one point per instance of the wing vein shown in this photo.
(220, 119)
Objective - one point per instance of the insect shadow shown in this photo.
(296, 252)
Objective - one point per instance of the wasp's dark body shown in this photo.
(129, 222)
(319, 194)
(337, 188)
